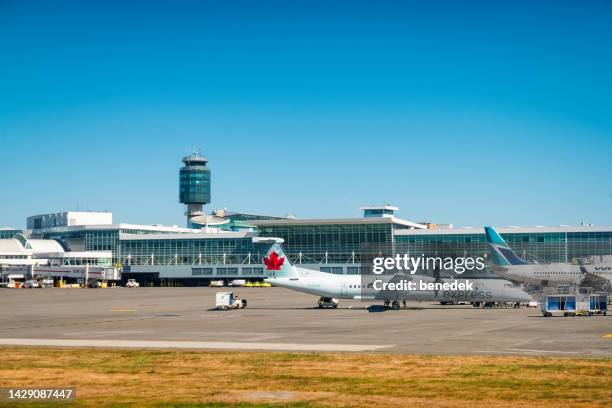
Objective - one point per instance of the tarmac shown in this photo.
(278, 319)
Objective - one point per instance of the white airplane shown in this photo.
(331, 287)
(509, 264)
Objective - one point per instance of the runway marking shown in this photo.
(191, 345)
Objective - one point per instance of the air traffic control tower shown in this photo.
(194, 184)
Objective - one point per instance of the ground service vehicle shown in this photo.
(227, 301)
(131, 283)
(575, 303)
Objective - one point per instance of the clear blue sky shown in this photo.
(465, 112)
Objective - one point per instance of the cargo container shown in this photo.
(579, 303)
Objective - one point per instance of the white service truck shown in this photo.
(131, 283)
(227, 301)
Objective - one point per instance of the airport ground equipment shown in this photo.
(31, 284)
(574, 302)
(599, 303)
(131, 283)
(227, 301)
(257, 284)
(328, 303)
(47, 283)
(216, 284)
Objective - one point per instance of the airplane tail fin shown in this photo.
(501, 253)
(277, 263)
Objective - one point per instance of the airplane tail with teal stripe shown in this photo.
(501, 253)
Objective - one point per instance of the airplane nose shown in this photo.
(524, 296)
(518, 295)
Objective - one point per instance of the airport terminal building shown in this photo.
(175, 256)
(223, 245)
(161, 255)
(536, 244)
(25, 258)
(155, 254)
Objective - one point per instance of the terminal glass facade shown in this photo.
(95, 239)
(540, 247)
(81, 261)
(9, 233)
(334, 247)
(329, 243)
(191, 251)
(581, 244)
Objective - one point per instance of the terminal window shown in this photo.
(352, 270)
(252, 271)
(201, 271)
(227, 271)
(332, 269)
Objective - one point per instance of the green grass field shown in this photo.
(244, 379)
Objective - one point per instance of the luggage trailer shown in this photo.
(574, 304)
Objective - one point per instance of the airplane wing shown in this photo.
(497, 268)
(501, 271)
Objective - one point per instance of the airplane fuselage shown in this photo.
(352, 287)
(597, 271)
(555, 273)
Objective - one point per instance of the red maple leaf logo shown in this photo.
(274, 263)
